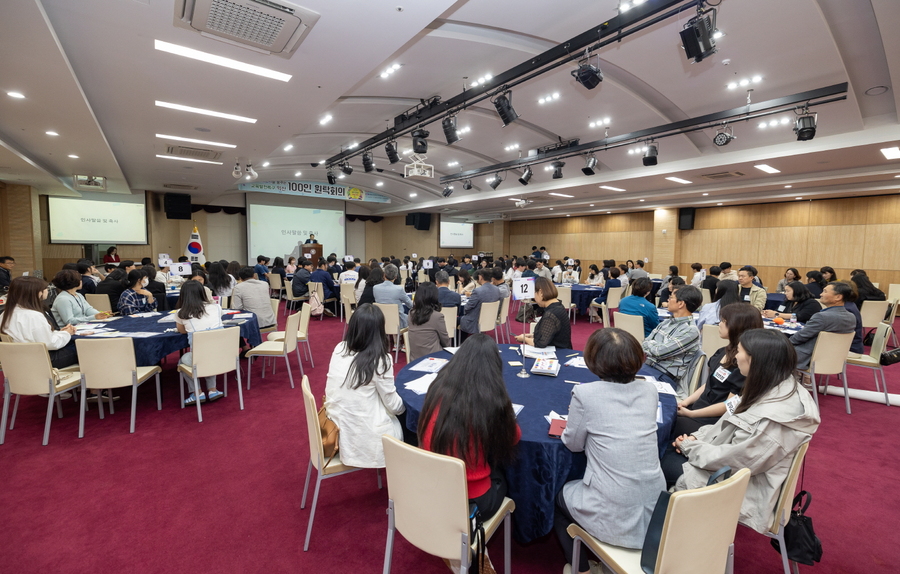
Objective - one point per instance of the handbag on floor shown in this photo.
(890, 357)
(803, 546)
(330, 433)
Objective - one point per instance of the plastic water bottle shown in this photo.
(793, 319)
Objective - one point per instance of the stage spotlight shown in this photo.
(447, 191)
(390, 149)
(650, 156)
(331, 179)
(251, 173)
(589, 165)
(503, 104)
(347, 168)
(526, 177)
(805, 128)
(420, 144)
(723, 137)
(697, 36)
(368, 162)
(467, 185)
(449, 126)
(587, 74)
(557, 169)
(495, 183)
(237, 171)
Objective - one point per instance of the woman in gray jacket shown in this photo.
(761, 430)
(613, 421)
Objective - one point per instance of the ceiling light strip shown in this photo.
(219, 60)
(188, 159)
(204, 112)
(192, 140)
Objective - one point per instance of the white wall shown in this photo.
(226, 237)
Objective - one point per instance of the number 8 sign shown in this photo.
(523, 288)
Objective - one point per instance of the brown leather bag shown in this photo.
(330, 433)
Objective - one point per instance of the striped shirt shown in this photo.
(671, 346)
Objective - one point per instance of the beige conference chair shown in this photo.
(565, 297)
(450, 315)
(276, 284)
(302, 336)
(214, 352)
(391, 312)
(27, 371)
(696, 537)
(282, 348)
(613, 297)
(873, 359)
(873, 313)
(712, 342)
(829, 357)
(348, 292)
(110, 364)
(99, 302)
(428, 504)
(487, 317)
(290, 299)
(503, 319)
(316, 287)
(329, 468)
(630, 323)
(273, 328)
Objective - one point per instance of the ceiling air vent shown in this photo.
(180, 187)
(723, 175)
(269, 27)
(193, 152)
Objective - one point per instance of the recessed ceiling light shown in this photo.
(341, 176)
(732, 85)
(718, 204)
(744, 82)
(897, 176)
(611, 188)
(298, 174)
(768, 168)
(192, 140)
(641, 200)
(609, 212)
(413, 194)
(219, 60)
(354, 145)
(205, 112)
(17, 95)
(551, 209)
(592, 205)
(560, 194)
(567, 215)
(785, 121)
(288, 147)
(514, 198)
(763, 125)
(891, 152)
(321, 162)
(512, 147)
(379, 184)
(51, 133)
(798, 198)
(453, 164)
(773, 123)
(705, 194)
(788, 186)
(325, 120)
(187, 159)
(265, 164)
(73, 156)
(678, 180)
(756, 79)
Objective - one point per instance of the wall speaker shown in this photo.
(686, 218)
(177, 205)
(410, 218)
(422, 221)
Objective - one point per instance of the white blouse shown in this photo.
(27, 326)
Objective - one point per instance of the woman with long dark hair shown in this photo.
(220, 282)
(815, 282)
(773, 418)
(362, 277)
(197, 313)
(467, 414)
(234, 269)
(828, 274)
(427, 327)
(594, 277)
(799, 302)
(613, 421)
(136, 299)
(111, 255)
(25, 321)
(465, 285)
(376, 277)
(278, 269)
(867, 291)
(360, 395)
(727, 292)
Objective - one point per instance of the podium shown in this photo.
(312, 251)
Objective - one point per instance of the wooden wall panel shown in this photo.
(881, 250)
(782, 246)
(701, 244)
(882, 209)
(17, 228)
(783, 214)
(836, 245)
(838, 211)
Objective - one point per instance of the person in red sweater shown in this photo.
(468, 414)
(111, 255)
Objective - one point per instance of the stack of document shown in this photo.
(554, 416)
(451, 350)
(148, 314)
(546, 367)
(576, 362)
(536, 353)
(429, 365)
(420, 385)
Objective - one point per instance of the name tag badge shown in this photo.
(732, 404)
(721, 374)
(781, 308)
(746, 297)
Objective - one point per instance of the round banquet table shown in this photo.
(149, 351)
(773, 300)
(543, 464)
(582, 295)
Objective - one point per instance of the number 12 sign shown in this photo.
(523, 288)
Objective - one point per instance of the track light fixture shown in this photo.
(495, 183)
(347, 168)
(587, 74)
(724, 136)
(331, 179)
(650, 156)
(503, 104)
(449, 127)
(805, 127)
(368, 162)
(390, 149)
(420, 143)
(697, 35)
(526, 177)
(557, 169)
(251, 173)
(467, 185)
(589, 164)
(237, 171)
(447, 191)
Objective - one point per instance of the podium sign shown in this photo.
(312, 251)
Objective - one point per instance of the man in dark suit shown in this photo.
(446, 297)
(312, 238)
(486, 292)
(834, 318)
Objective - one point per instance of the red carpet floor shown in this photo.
(224, 495)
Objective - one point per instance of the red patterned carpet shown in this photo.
(224, 495)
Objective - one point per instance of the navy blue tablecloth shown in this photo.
(543, 464)
(149, 351)
(773, 300)
(582, 295)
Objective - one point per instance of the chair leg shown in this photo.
(5, 411)
(134, 389)
(299, 360)
(82, 410)
(306, 484)
(783, 546)
(181, 387)
(846, 390)
(287, 364)
(249, 370)
(729, 561)
(378, 473)
(576, 552)
(198, 401)
(237, 368)
(50, 401)
(887, 400)
(12, 423)
(58, 406)
(815, 386)
(389, 546)
(158, 394)
(312, 511)
(112, 409)
(507, 543)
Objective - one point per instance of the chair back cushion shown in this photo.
(873, 312)
(786, 498)
(215, 351)
(712, 342)
(391, 313)
(313, 434)
(487, 317)
(290, 331)
(630, 323)
(830, 352)
(26, 367)
(106, 363)
(450, 314)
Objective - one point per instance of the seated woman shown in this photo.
(673, 273)
(594, 277)
(464, 284)
(427, 328)
(815, 283)
(612, 283)
(773, 418)
(70, 306)
(375, 277)
(475, 423)
(197, 313)
(220, 282)
(623, 275)
(136, 299)
(25, 321)
(799, 302)
(637, 304)
(362, 278)
(866, 290)
(727, 292)
(291, 265)
(828, 274)
(570, 276)
(553, 328)
(790, 275)
(278, 269)
(665, 292)
(360, 395)
(613, 421)
(699, 275)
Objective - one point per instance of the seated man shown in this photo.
(834, 318)
(387, 293)
(300, 282)
(350, 274)
(446, 296)
(671, 346)
(498, 280)
(253, 295)
(638, 271)
(88, 284)
(726, 272)
(750, 292)
(334, 266)
(486, 292)
(329, 291)
(6, 265)
(712, 279)
(262, 268)
(530, 271)
(542, 271)
(637, 304)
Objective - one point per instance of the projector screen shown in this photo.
(278, 231)
(97, 218)
(455, 234)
